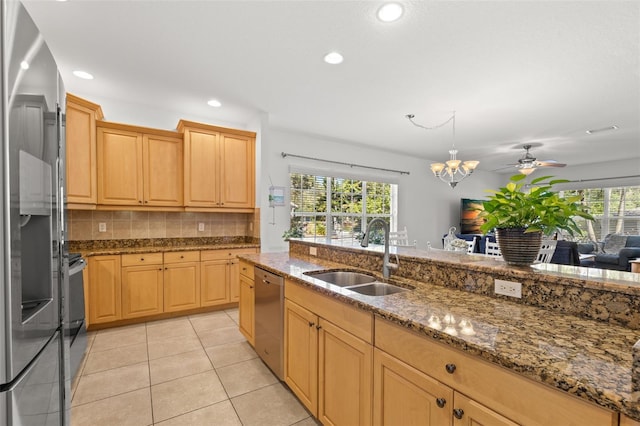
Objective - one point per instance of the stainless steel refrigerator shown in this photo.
(33, 264)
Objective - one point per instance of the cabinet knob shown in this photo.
(451, 368)
(458, 413)
(140, 201)
(159, 269)
(440, 402)
(181, 257)
(318, 327)
(311, 324)
(146, 202)
(250, 286)
(142, 259)
(166, 269)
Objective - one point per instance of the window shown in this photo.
(616, 211)
(336, 208)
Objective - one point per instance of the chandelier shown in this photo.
(451, 171)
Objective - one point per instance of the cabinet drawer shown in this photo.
(349, 318)
(518, 398)
(142, 259)
(224, 254)
(181, 256)
(246, 270)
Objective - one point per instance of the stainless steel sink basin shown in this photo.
(342, 278)
(377, 289)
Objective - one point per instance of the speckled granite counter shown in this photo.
(155, 245)
(588, 358)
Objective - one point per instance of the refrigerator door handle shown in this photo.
(9, 386)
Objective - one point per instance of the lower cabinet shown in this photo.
(403, 395)
(105, 297)
(181, 281)
(328, 368)
(247, 303)
(483, 393)
(142, 285)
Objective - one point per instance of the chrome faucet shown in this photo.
(386, 265)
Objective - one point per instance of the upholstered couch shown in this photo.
(612, 253)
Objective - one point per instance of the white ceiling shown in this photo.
(540, 72)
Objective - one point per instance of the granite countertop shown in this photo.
(157, 245)
(590, 359)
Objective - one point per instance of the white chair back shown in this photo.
(547, 248)
(471, 245)
(492, 249)
(400, 238)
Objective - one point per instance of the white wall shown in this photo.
(426, 206)
(597, 175)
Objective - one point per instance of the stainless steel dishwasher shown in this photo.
(269, 320)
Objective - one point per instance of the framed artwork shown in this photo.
(469, 221)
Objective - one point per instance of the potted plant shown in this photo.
(293, 232)
(521, 214)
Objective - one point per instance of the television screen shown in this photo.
(469, 221)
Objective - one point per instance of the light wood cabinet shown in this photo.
(104, 289)
(142, 285)
(81, 165)
(220, 280)
(219, 167)
(403, 395)
(487, 393)
(138, 169)
(247, 309)
(181, 281)
(328, 368)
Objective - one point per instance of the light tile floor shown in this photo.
(195, 370)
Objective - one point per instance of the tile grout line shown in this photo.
(146, 339)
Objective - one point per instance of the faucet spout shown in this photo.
(386, 265)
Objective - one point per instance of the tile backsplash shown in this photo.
(85, 224)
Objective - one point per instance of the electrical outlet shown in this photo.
(102, 227)
(313, 251)
(201, 226)
(508, 288)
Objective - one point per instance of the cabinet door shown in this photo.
(201, 168)
(237, 171)
(162, 165)
(104, 289)
(234, 280)
(405, 396)
(181, 286)
(119, 167)
(214, 287)
(301, 354)
(344, 374)
(141, 291)
(467, 412)
(82, 186)
(247, 309)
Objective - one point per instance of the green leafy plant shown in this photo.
(293, 232)
(533, 207)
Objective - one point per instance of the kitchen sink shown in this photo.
(342, 278)
(377, 289)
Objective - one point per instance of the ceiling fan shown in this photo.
(528, 163)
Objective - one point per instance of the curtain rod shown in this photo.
(284, 154)
(604, 178)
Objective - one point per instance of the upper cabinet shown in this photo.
(199, 167)
(219, 167)
(81, 116)
(139, 166)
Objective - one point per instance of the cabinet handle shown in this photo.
(318, 327)
(159, 269)
(146, 202)
(450, 368)
(181, 257)
(140, 201)
(311, 324)
(142, 259)
(440, 402)
(458, 413)
(250, 286)
(166, 269)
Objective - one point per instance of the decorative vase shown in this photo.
(518, 248)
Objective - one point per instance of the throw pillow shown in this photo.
(615, 243)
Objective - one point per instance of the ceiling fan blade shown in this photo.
(549, 163)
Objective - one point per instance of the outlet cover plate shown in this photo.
(508, 288)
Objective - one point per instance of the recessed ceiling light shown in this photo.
(83, 74)
(214, 103)
(390, 12)
(24, 65)
(604, 129)
(333, 58)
